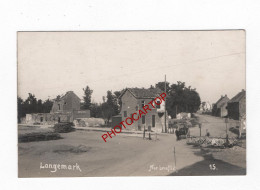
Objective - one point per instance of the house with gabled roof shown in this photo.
(237, 106)
(219, 108)
(133, 99)
(66, 103)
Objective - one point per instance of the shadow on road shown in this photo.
(206, 167)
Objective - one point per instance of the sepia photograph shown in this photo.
(131, 103)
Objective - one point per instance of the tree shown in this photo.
(96, 110)
(32, 105)
(87, 98)
(180, 98)
(47, 106)
(112, 102)
(161, 85)
(20, 108)
(109, 106)
(39, 107)
(119, 101)
(107, 112)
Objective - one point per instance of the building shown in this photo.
(237, 106)
(205, 107)
(66, 103)
(65, 109)
(219, 108)
(133, 99)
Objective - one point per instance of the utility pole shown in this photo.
(176, 109)
(165, 106)
(200, 129)
(174, 159)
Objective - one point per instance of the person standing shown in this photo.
(177, 132)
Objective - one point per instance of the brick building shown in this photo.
(65, 109)
(67, 103)
(133, 99)
(237, 106)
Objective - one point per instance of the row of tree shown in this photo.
(108, 108)
(32, 105)
(179, 99)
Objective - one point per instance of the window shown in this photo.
(143, 103)
(41, 119)
(59, 106)
(143, 119)
(158, 106)
(125, 113)
(136, 108)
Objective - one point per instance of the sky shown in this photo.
(52, 63)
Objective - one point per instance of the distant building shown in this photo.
(219, 108)
(65, 109)
(205, 107)
(237, 106)
(66, 103)
(133, 99)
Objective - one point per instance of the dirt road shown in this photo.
(216, 126)
(121, 156)
(125, 155)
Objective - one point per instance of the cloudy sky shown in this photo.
(51, 63)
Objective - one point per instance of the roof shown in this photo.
(222, 101)
(238, 97)
(63, 96)
(143, 93)
(223, 104)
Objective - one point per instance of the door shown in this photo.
(153, 120)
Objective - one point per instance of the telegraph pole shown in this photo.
(165, 106)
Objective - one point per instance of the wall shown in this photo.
(220, 109)
(129, 103)
(133, 105)
(242, 106)
(223, 110)
(116, 120)
(89, 122)
(237, 109)
(81, 114)
(233, 110)
(47, 118)
(69, 102)
(148, 116)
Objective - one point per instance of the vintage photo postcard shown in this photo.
(131, 103)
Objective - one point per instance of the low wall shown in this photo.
(89, 122)
(81, 114)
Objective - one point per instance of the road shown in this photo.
(120, 156)
(216, 126)
(125, 155)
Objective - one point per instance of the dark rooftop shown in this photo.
(238, 97)
(144, 93)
